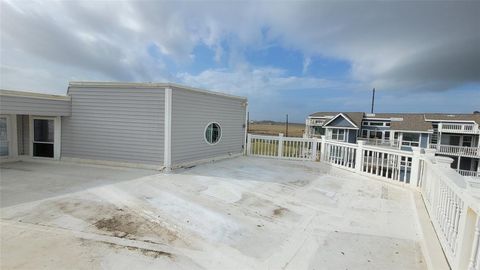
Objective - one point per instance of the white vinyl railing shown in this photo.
(390, 165)
(380, 142)
(339, 154)
(452, 207)
(456, 150)
(468, 173)
(458, 128)
(282, 147)
(453, 210)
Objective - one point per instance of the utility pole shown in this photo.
(373, 99)
(286, 127)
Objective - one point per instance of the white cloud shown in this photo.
(390, 45)
(254, 82)
(306, 64)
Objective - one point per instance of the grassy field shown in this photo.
(294, 130)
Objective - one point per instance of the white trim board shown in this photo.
(167, 154)
(411, 131)
(344, 116)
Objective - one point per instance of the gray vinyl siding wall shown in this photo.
(192, 112)
(424, 140)
(352, 136)
(23, 135)
(115, 124)
(33, 106)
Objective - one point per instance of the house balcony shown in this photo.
(459, 128)
(314, 122)
(475, 174)
(454, 150)
(380, 142)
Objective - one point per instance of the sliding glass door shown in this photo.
(43, 137)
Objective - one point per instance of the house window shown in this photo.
(213, 133)
(319, 131)
(43, 138)
(365, 133)
(338, 134)
(411, 139)
(467, 141)
(376, 123)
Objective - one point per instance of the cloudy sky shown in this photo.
(286, 57)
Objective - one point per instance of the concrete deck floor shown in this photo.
(242, 213)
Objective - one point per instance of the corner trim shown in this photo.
(167, 154)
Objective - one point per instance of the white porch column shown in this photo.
(167, 154)
(359, 155)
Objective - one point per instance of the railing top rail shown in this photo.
(458, 146)
(341, 143)
(388, 150)
(271, 137)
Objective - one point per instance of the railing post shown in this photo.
(414, 170)
(314, 149)
(467, 226)
(430, 153)
(280, 145)
(445, 162)
(249, 145)
(359, 156)
(474, 255)
(322, 148)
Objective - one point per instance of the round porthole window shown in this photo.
(213, 133)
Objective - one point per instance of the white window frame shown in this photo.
(369, 123)
(56, 135)
(411, 143)
(334, 134)
(205, 133)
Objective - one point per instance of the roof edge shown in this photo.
(15, 93)
(81, 84)
(344, 116)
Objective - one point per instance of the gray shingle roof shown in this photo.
(323, 114)
(355, 117)
(410, 122)
(455, 117)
